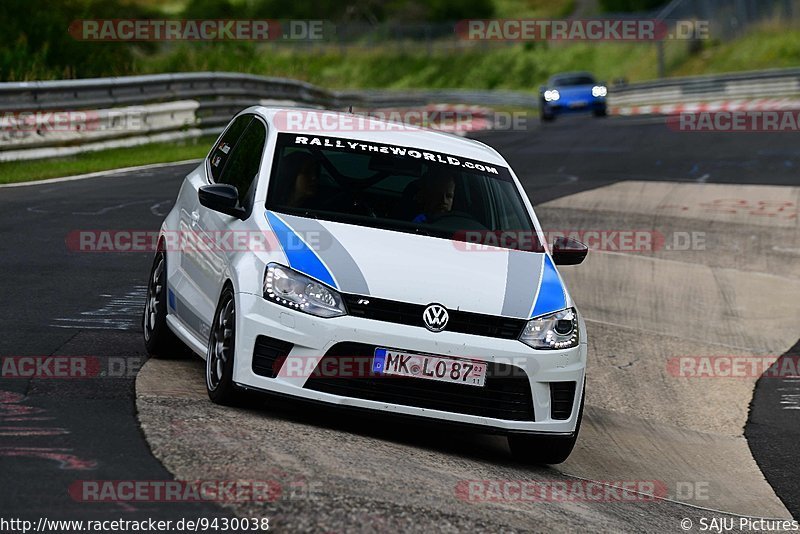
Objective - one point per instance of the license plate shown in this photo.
(578, 104)
(429, 367)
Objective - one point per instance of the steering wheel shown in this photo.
(359, 207)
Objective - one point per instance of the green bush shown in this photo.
(35, 41)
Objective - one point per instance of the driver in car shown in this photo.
(435, 198)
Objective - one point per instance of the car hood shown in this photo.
(575, 91)
(420, 269)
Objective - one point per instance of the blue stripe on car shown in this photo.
(334, 255)
(551, 296)
(300, 256)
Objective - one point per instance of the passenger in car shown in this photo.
(298, 184)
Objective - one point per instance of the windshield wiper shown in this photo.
(299, 212)
(422, 231)
(310, 214)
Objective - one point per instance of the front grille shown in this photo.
(269, 354)
(562, 397)
(392, 311)
(506, 393)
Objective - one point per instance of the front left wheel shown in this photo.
(221, 351)
(544, 115)
(158, 338)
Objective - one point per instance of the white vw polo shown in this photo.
(375, 266)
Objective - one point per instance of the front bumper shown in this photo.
(563, 107)
(313, 337)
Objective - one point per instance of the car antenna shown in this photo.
(350, 109)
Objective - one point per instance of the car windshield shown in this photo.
(399, 188)
(574, 79)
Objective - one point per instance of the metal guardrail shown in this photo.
(158, 100)
(129, 90)
(162, 101)
(757, 84)
(217, 92)
(214, 89)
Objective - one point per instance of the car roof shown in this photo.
(380, 131)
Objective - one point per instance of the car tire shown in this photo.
(543, 115)
(221, 351)
(159, 340)
(547, 450)
(602, 112)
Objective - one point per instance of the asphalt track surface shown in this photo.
(60, 302)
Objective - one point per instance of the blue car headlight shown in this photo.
(599, 91)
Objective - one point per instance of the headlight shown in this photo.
(599, 91)
(294, 290)
(551, 96)
(557, 330)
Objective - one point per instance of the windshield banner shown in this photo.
(354, 145)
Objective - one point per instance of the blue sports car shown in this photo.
(572, 92)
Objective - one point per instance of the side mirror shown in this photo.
(223, 198)
(568, 251)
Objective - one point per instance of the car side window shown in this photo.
(243, 162)
(222, 151)
(509, 218)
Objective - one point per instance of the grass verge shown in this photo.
(115, 158)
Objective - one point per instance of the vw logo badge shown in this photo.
(435, 317)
